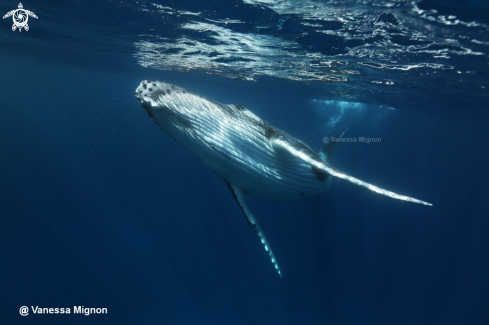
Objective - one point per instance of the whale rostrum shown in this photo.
(250, 155)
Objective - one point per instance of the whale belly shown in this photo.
(249, 161)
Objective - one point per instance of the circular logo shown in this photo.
(24, 311)
(325, 140)
(20, 18)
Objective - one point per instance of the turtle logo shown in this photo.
(20, 17)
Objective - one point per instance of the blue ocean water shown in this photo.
(100, 208)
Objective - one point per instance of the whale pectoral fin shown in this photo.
(327, 149)
(307, 157)
(239, 196)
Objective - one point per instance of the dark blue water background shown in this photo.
(99, 208)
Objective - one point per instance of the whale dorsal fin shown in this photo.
(240, 108)
(327, 149)
(239, 196)
(282, 144)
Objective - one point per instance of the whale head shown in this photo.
(173, 107)
(163, 97)
(152, 93)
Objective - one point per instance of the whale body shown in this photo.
(249, 154)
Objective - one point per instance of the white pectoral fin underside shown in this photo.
(281, 144)
(239, 196)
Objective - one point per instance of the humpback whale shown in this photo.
(250, 155)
